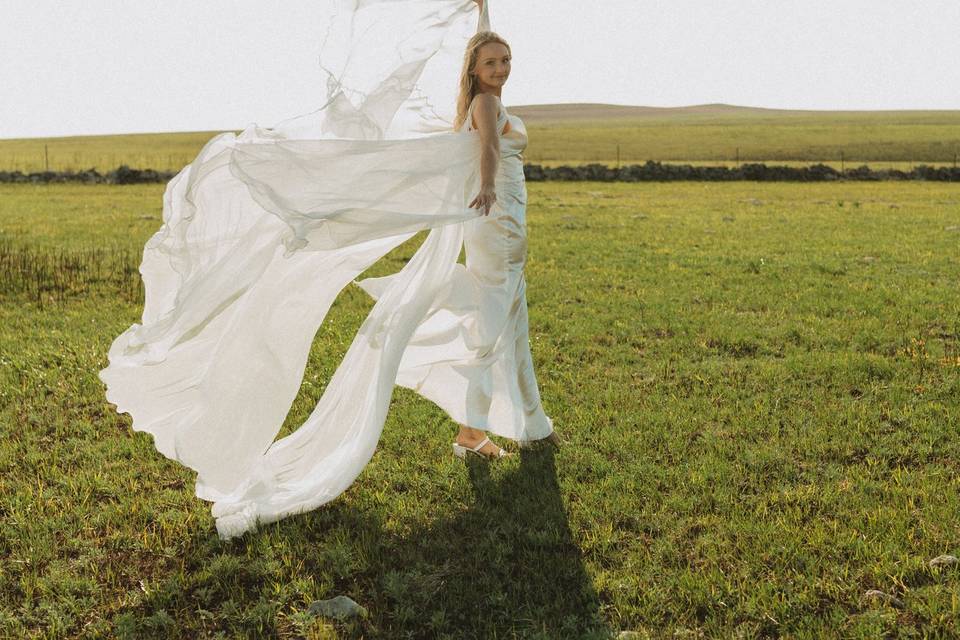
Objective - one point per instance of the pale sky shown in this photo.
(75, 67)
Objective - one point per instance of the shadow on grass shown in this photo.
(507, 566)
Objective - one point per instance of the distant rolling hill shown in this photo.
(724, 133)
(597, 111)
(606, 133)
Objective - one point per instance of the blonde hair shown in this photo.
(468, 81)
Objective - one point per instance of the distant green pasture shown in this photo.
(882, 139)
(862, 137)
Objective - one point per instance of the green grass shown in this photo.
(886, 139)
(876, 165)
(758, 385)
(160, 151)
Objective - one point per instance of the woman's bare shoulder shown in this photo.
(485, 103)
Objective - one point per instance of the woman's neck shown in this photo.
(494, 90)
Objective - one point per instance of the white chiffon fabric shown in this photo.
(263, 230)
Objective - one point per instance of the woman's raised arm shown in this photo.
(484, 23)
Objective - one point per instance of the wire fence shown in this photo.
(47, 157)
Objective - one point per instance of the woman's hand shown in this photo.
(484, 200)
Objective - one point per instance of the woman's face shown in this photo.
(493, 64)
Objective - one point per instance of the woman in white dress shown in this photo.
(493, 386)
(264, 229)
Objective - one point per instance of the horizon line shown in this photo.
(524, 106)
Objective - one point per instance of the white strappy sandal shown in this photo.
(460, 450)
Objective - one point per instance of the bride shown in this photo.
(264, 229)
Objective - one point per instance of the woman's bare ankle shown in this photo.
(470, 435)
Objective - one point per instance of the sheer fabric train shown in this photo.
(263, 230)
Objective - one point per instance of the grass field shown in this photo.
(758, 386)
(719, 132)
(573, 134)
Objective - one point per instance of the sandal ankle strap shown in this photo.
(480, 444)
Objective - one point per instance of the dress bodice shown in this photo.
(512, 143)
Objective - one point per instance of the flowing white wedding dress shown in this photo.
(263, 230)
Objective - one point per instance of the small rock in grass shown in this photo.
(631, 635)
(953, 227)
(339, 608)
(886, 598)
(944, 561)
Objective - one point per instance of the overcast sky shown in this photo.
(71, 67)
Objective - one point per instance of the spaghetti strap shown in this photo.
(501, 115)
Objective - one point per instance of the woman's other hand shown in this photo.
(484, 200)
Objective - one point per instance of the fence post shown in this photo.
(618, 156)
(738, 157)
(46, 159)
(841, 162)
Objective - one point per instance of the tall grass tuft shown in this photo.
(48, 276)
